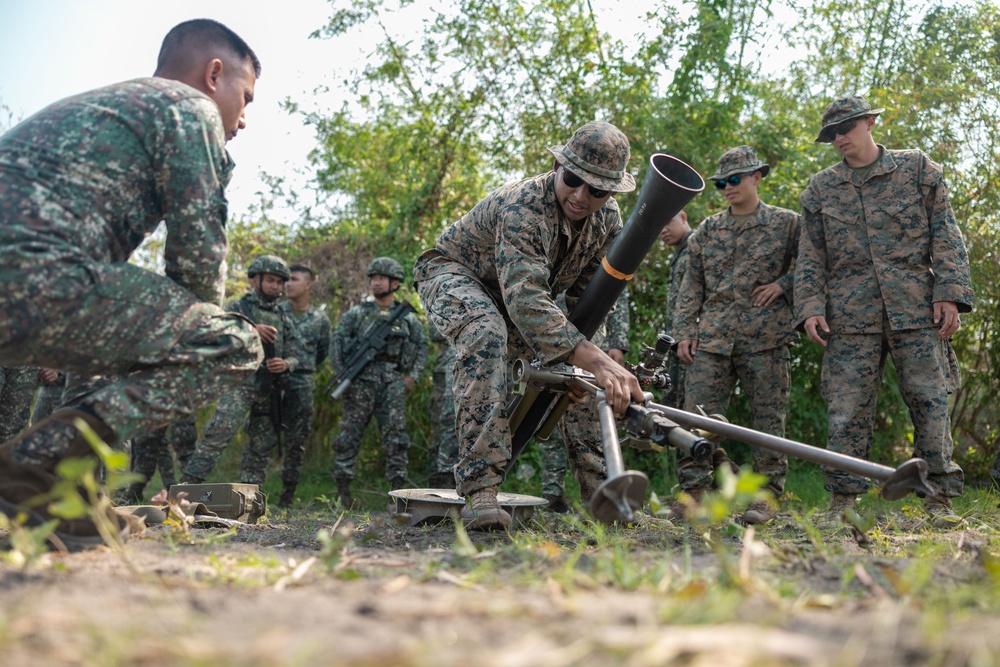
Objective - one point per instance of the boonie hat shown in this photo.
(846, 108)
(739, 160)
(598, 153)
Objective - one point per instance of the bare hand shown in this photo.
(765, 295)
(813, 326)
(410, 383)
(276, 365)
(618, 356)
(48, 376)
(946, 313)
(620, 387)
(268, 334)
(686, 349)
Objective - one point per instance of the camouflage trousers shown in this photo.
(379, 392)
(578, 439)
(151, 452)
(485, 343)
(678, 374)
(17, 391)
(297, 413)
(444, 448)
(765, 378)
(852, 372)
(171, 353)
(230, 414)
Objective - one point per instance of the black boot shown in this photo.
(442, 480)
(344, 493)
(556, 504)
(287, 498)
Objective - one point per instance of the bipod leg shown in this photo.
(618, 498)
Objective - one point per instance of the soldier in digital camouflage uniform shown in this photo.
(282, 346)
(17, 391)
(313, 327)
(82, 183)
(444, 448)
(882, 269)
(381, 389)
(581, 429)
(675, 234)
(733, 319)
(490, 284)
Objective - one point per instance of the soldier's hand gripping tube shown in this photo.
(896, 483)
(667, 188)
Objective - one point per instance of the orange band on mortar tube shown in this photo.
(615, 273)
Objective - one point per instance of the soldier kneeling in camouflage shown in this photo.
(382, 387)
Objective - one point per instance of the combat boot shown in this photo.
(760, 511)
(678, 509)
(556, 504)
(839, 505)
(287, 498)
(23, 484)
(395, 484)
(941, 513)
(344, 493)
(132, 494)
(483, 511)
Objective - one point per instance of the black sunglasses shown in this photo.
(573, 181)
(842, 128)
(733, 180)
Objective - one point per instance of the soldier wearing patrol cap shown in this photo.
(490, 283)
(882, 268)
(734, 322)
(381, 388)
(268, 275)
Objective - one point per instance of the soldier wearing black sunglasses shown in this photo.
(489, 285)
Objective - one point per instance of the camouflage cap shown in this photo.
(846, 108)
(598, 153)
(739, 160)
(269, 264)
(386, 266)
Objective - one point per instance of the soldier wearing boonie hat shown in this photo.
(489, 285)
(733, 318)
(882, 267)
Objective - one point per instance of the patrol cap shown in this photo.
(386, 266)
(269, 264)
(846, 108)
(739, 160)
(598, 153)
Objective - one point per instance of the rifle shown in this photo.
(374, 340)
(651, 426)
(276, 397)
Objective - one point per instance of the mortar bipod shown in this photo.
(624, 491)
(911, 476)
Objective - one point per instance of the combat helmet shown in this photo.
(386, 266)
(269, 264)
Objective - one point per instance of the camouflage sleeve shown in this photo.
(787, 281)
(617, 324)
(810, 265)
(342, 339)
(323, 343)
(294, 346)
(949, 258)
(692, 292)
(523, 272)
(417, 343)
(193, 166)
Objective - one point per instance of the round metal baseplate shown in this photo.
(619, 498)
(430, 506)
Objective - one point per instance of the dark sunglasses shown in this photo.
(573, 181)
(733, 180)
(842, 128)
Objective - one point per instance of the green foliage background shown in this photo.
(433, 123)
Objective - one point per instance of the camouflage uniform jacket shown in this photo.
(889, 243)
(287, 346)
(726, 261)
(165, 160)
(678, 267)
(405, 350)
(313, 327)
(519, 247)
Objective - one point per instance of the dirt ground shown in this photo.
(561, 592)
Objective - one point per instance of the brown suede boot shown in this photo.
(839, 504)
(27, 476)
(941, 513)
(678, 509)
(483, 511)
(760, 511)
